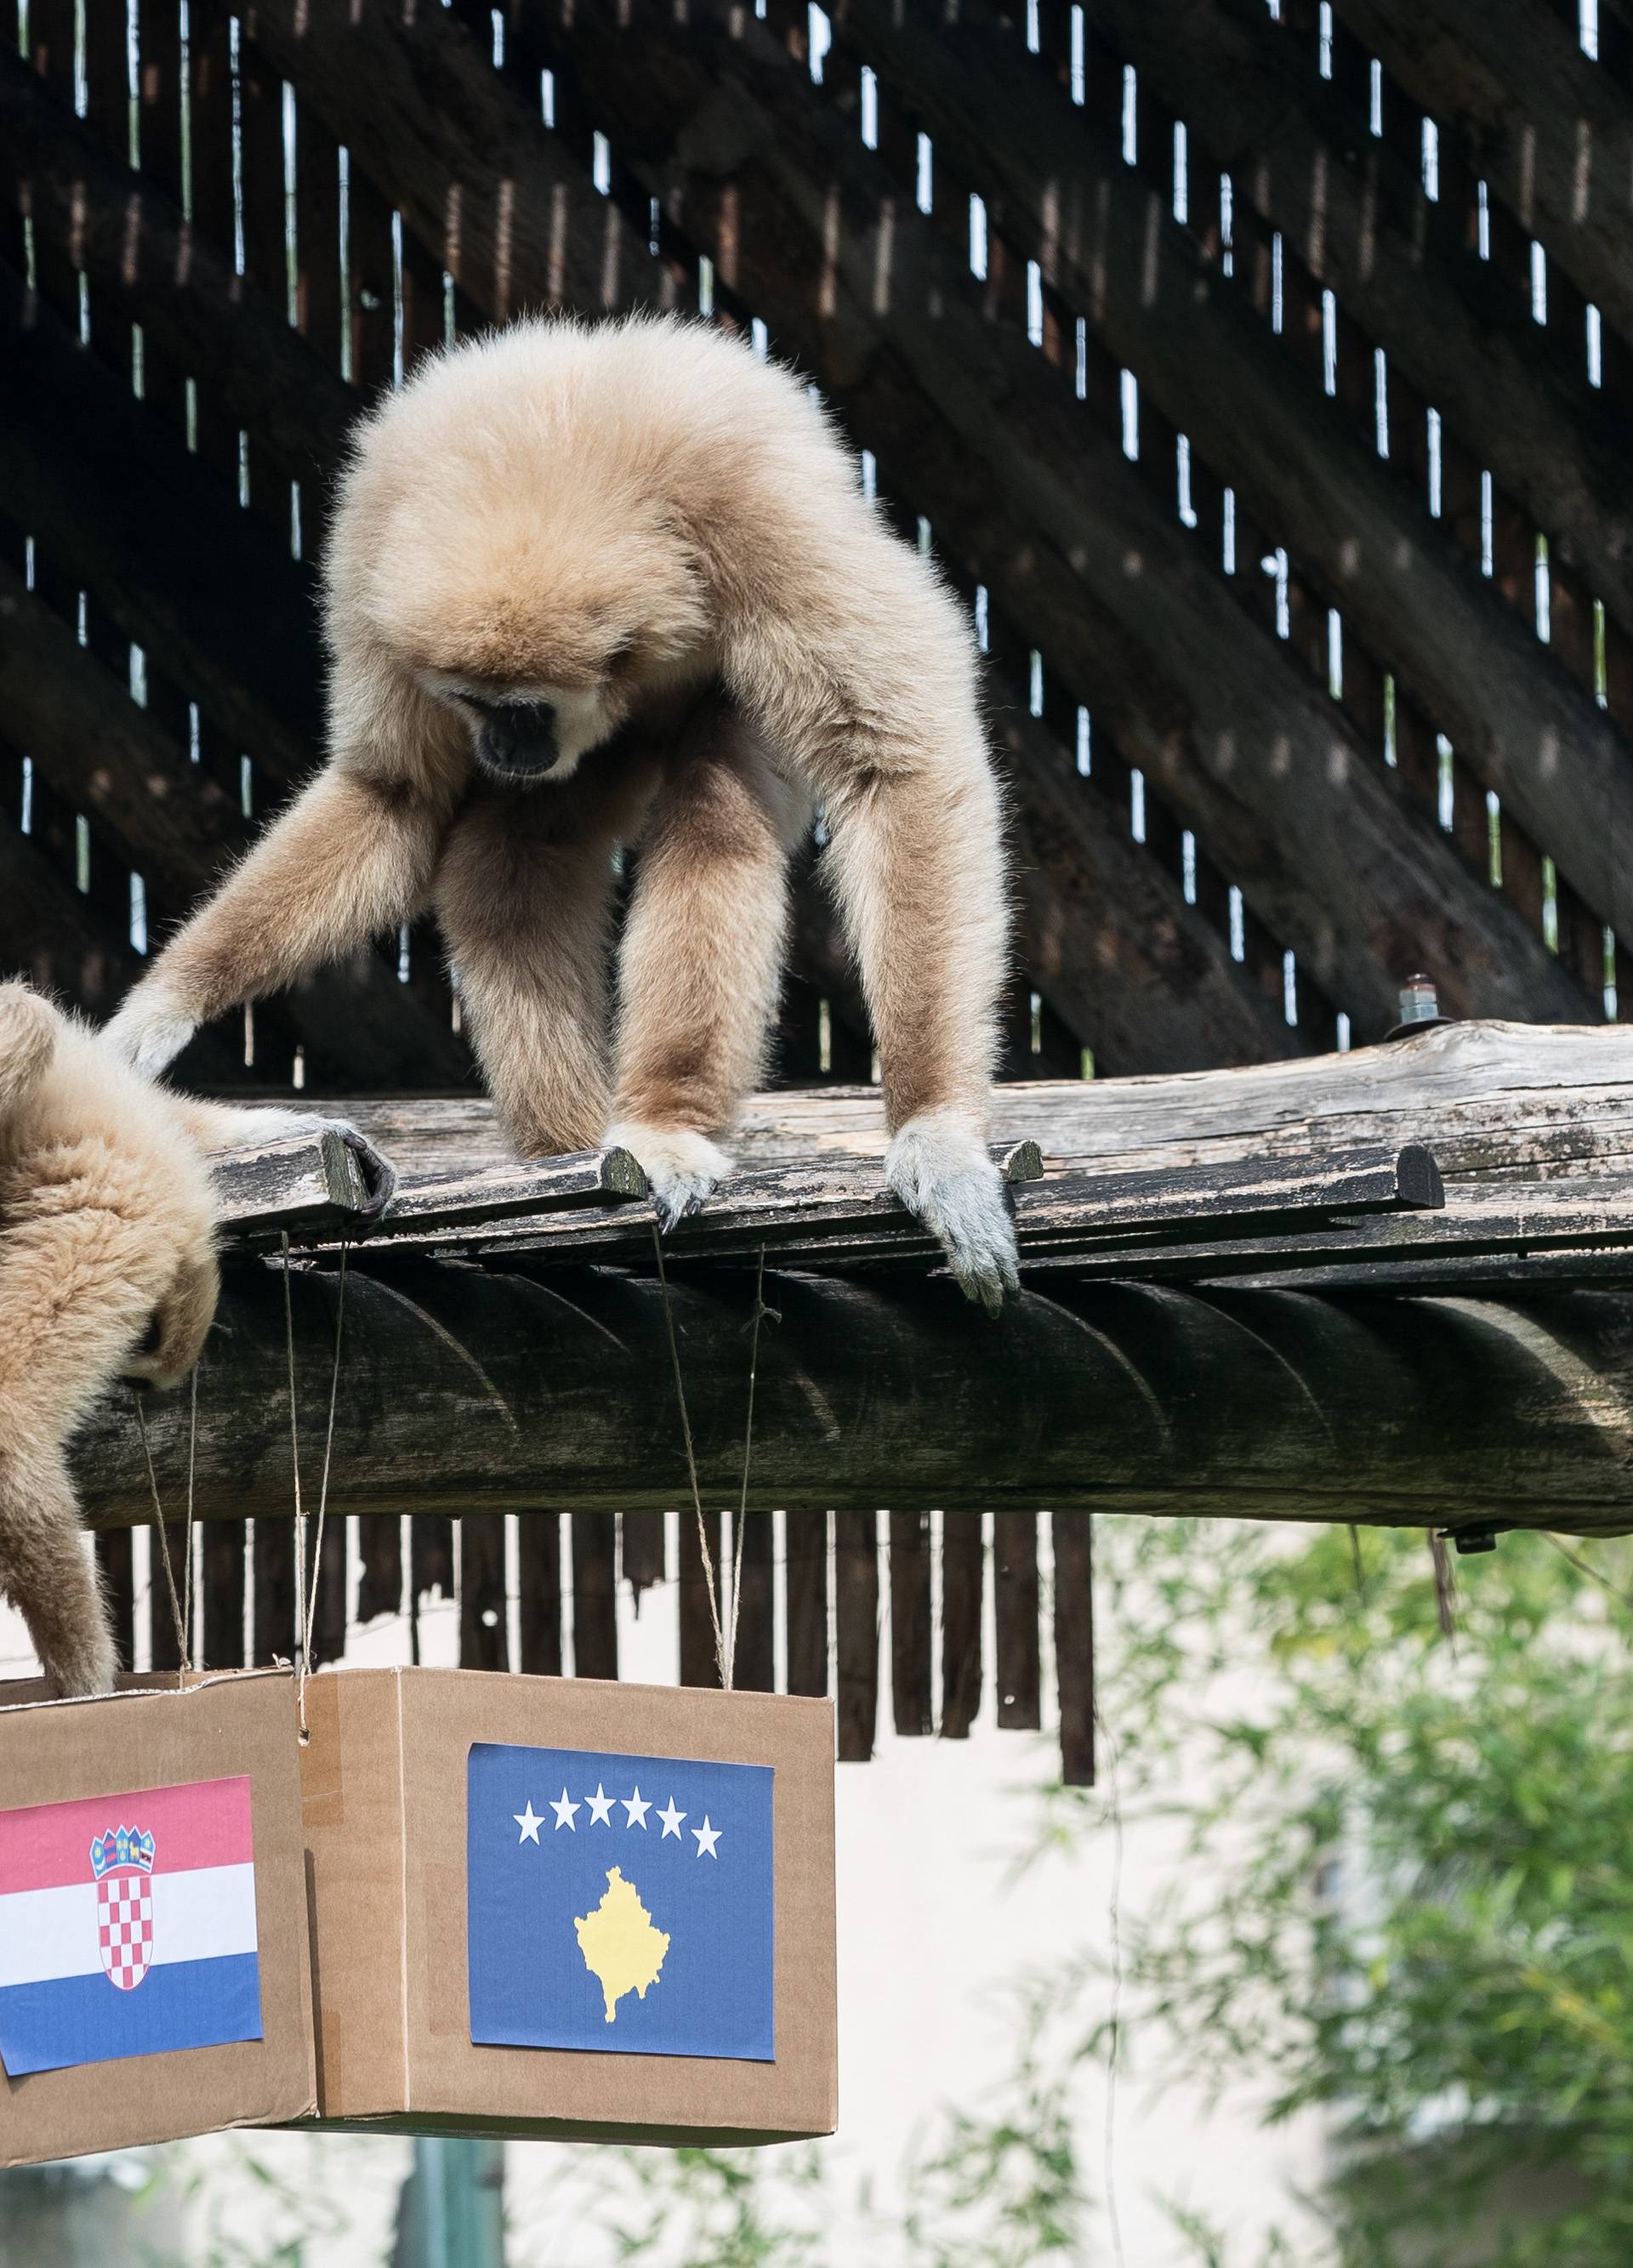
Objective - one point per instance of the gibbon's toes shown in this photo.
(939, 1166)
(683, 1169)
(380, 1176)
(149, 1033)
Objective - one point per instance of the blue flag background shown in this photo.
(540, 1850)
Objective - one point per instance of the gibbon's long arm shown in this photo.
(352, 856)
(701, 961)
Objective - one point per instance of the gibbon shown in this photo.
(597, 587)
(108, 1270)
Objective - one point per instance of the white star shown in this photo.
(708, 1838)
(638, 1807)
(600, 1806)
(529, 1823)
(566, 1813)
(672, 1819)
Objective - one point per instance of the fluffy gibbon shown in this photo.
(108, 1270)
(591, 587)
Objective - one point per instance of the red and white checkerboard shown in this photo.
(124, 1915)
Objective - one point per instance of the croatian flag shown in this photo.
(620, 1903)
(127, 1926)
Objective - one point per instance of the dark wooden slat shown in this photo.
(431, 1557)
(856, 1584)
(753, 1663)
(910, 1621)
(483, 1640)
(806, 1602)
(699, 1664)
(223, 1560)
(1074, 1643)
(642, 1549)
(1208, 362)
(329, 1601)
(1015, 1589)
(380, 1548)
(963, 1561)
(163, 1639)
(272, 1575)
(113, 1560)
(594, 1595)
(539, 1583)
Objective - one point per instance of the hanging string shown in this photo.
(760, 1312)
(309, 1607)
(721, 1662)
(164, 1541)
(186, 1571)
(294, 1431)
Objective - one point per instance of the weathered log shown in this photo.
(972, 426)
(463, 1387)
(1550, 130)
(1107, 240)
(304, 1184)
(1355, 213)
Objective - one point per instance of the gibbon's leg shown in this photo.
(917, 859)
(701, 963)
(73, 1304)
(350, 857)
(27, 1041)
(524, 896)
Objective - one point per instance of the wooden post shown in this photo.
(1074, 1644)
(856, 1578)
(1015, 1585)
(963, 1570)
(806, 1602)
(594, 1595)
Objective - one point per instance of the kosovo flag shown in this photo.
(623, 1904)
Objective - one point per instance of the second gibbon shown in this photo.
(596, 586)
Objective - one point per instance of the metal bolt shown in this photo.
(1481, 1537)
(1420, 1003)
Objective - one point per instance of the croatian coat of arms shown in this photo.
(122, 1862)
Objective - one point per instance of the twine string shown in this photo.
(307, 1592)
(164, 1541)
(721, 1662)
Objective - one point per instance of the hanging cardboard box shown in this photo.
(553, 1907)
(155, 1972)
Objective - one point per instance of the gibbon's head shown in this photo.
(512, 540)
(179, 1323)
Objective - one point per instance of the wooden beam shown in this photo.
(1109, 243)
(1014, 1586)
(1549, 129)
(806, 1602)
(964, 1560)
(1112, 1397)
(1355, 213)
(1074, 1645)
(141, 255)
(805, 228)
(857, 1632)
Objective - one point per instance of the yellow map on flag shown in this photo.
(621, 1948)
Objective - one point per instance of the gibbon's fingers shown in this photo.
(683, 1170)
(349, 858)
(939, 1167)
(218, 1127)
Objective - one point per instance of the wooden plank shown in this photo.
(1014, 1591)
(1163, 305)
(484, 1639)
(1549, 128)
(856, 1612)
(594, 1595)
(431, 1559)
(700, 1663)
(330, 1599)
(224, 1556)
(380, 1551)
(304, 1183)
(539, 1583)
(910, 1621)
(642, 1552)
(1357, 218)
(1042, 507)
(964, 1562)
(806, 1602)
(114, 1566)
(272, 1580)
(753, 1661)
(1073, 1534)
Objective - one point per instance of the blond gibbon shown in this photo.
(591, 587)
(108, 1270)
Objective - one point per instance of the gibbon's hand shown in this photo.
(229, 1128)
(685, 1169)
(151, 1029)
(939, 1167)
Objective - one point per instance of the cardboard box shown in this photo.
(636, 1972)
(152, 1892)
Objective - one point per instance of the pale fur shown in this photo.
(648, 527)
(107, 1269)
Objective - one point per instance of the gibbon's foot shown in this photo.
(151, 1029)
(685, 1169)
(939, 1167)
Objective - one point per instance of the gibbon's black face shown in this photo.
(515, 740)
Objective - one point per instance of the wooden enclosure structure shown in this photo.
(1259, 371)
